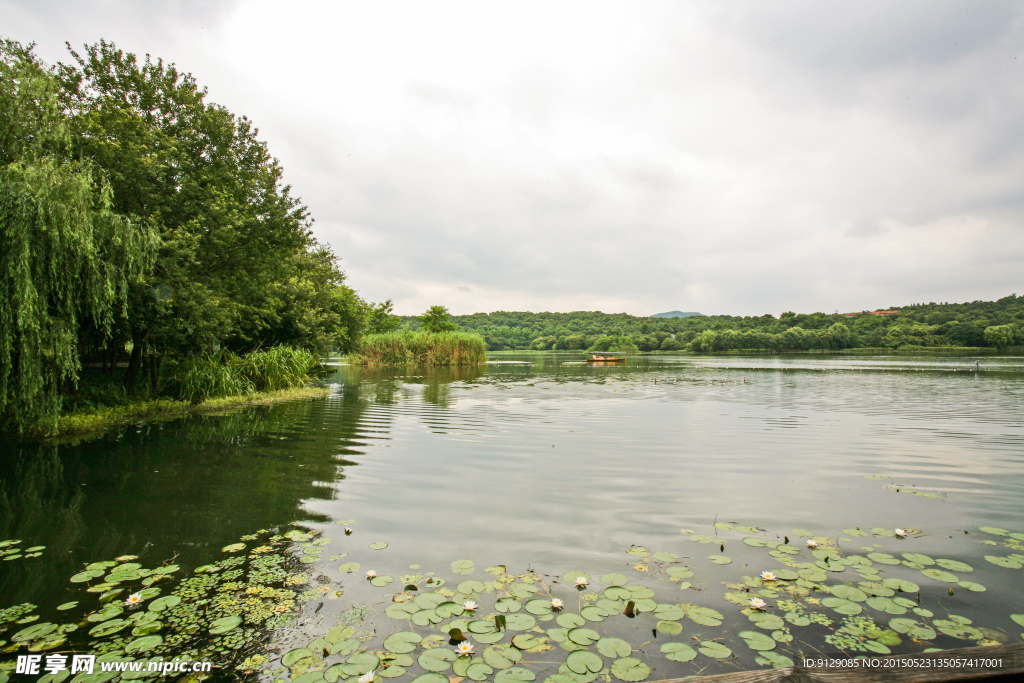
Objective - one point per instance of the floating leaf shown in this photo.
(583, 636)
(617, 593)
(381, 581)
(538, 607)
(613, 647)
(47, 642)
(849, 593)
(514, 675)
(224, 625)
(614, 580)
(996, 531)
(402, 642)
(570, 577)
(68, 605)
(364, 662)
(630, 669)
(144, 644)
(769, 622)
(378, 545)
(705, 616)
(431, 678)
(87, 575)
(912, 628)
(678, 652)
(883, 558)
(972, 586)
(901, 585)
(1007, 562)
(842, 606)
(519, 622)
(233, 548)
(940, 575)
(954, 566)
(719, 559)
(108, 627)
(669, 628)
(715, 649)
(33, 632)
(592, 613)
(884, 604)
(774, 659)
(349, 567)
(508, 605)
(471, 586)
(583, 662)
(502, 656)
(463, 566)
(756, 640)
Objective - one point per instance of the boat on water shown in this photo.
(606, 359)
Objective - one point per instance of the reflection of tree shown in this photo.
(186, 486)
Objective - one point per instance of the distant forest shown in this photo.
(994, 324)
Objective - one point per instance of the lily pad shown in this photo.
(972, 586)
(614, 580)
(233, 548)
(774, 660)
(431, 678)
(884, 604)
(163, 603)
(463, 567)
(996, 531)
(617, 593)
(381, 581)
(714, 649)
(33, 632)
(583, 636)
(720, 559)
(570, 577)
(508, 605)
(538, 607)
(144, 644)
(705, 616)
(954, 565)
(940, 575)
(514, 675)
(402, 642)
(613, 647)
(912, 628)
(842, 606)
(224, 625)
(87, 575)
(502, 656)
(630, 669)
(901, 585)
(349, 567)
(378, 545)
(1007, 562)
(68, 605)
(669, 628)
(756, 640)
(520, 622)
(583, 662)
(678, 652)
(364, 662)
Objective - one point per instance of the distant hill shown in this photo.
(677, 314)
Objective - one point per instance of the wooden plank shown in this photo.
(927, 666)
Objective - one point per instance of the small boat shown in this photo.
(606, 359)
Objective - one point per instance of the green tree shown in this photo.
(381, 320)
(67, 259)
(999, 336)
(437, 319)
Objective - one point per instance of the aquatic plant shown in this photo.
(422, 348)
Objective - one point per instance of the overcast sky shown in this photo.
(722, 157)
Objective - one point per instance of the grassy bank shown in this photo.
(105, 417)
(422, 348)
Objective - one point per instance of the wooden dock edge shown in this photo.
(1012, 668)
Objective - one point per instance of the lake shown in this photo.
(555, 469)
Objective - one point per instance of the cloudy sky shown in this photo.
(723, 157)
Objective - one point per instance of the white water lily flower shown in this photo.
(134, 600)
(557, 604)
(811, 543)
(758, 603)
(368, 676)
(581, 581)
(464, 648)
(469, 605)
(900, 532)
(768, 576)
(370, 574)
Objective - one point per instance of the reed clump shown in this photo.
(225, 374)
(422, 348)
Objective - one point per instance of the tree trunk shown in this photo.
(154, 374)
(131, 375)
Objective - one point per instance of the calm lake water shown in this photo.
(538, 462)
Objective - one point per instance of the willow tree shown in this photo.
(67, 260)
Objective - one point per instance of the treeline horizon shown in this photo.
(992, 324)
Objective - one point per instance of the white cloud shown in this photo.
(741, 158)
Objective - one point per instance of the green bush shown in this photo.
(225, 374)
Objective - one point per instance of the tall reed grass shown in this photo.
(225, 374)
(422, 348)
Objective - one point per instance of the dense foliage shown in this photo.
(142, 223)
(997, 324)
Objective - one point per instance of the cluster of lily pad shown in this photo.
(809, 593)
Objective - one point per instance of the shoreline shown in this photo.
(96, 421)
